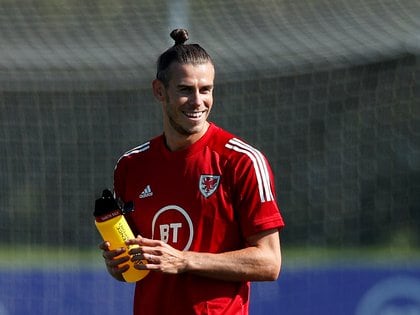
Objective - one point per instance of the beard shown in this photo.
(179, 128)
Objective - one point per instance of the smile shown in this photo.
(194, 115)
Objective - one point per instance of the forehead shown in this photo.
(191, 73)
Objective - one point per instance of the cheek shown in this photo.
(175, 100)
(171, 107)
(209, 101)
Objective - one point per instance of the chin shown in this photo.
(190, 128)
(199, 127)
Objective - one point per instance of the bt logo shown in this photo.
(166, 230)
(173, 225)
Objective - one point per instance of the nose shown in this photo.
(196, 99)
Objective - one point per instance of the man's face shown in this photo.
(187, 100)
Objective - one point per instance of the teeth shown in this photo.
(193, 114)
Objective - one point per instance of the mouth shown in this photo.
(194, 114)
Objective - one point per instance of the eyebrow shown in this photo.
(208, 86)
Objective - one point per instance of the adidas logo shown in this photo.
(147, 192)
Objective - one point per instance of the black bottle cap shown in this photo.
(105, 204)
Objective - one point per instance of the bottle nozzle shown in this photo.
(105, 204)
(106, 193)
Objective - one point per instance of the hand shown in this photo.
(115, 266)
(159, 255)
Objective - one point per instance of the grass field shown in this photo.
(30, 257)
(350, 257)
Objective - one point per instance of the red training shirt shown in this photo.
(207, 198)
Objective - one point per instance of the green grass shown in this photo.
(62, 258)
(44, 257)
(319, 257)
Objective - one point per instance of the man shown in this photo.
(204, 202)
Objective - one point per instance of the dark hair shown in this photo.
(181, 53)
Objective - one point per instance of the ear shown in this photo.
(158, 90)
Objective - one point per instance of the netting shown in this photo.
(327, 89)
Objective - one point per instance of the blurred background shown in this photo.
(328, 89)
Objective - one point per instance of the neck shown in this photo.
(176, 141)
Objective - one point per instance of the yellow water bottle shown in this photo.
(113, 227)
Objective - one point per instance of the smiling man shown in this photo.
(186, 102)
(205, 208)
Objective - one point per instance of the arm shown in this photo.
(260, 261)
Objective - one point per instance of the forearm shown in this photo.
(248, 264)
(260, 261)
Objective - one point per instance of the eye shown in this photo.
(184, 89)
(207, 90)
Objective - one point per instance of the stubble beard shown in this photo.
(179, 129)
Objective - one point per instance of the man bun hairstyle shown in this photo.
(180, 52)
(179, 35)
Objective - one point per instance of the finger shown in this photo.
(117, 261)
(111, 254)
(137, 257)
(135, 250)
(123, 268)
(140, 252)
(154, 259)
(117, 266)
(149, 242)
(139, 240)
(146, 266)
(134, 241)
(118, 269)
(104, 245)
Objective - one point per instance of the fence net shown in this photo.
(330, 91)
